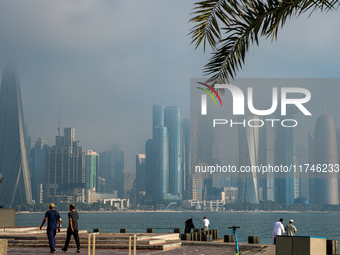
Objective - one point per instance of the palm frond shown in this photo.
(244, 21)
(208, 14)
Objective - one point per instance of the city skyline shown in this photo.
(106, 63)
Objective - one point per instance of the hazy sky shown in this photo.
(107, 62)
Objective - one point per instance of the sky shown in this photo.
(105, 63)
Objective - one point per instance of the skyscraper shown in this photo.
(112, 165)
(160, 163)
(172, 120)
(91, 169)
(186, 157)
(163, 156)
(284, 155)
(64, 173)
(140, 178)
(38, 154)
(325, 152)
(14, 166)
(248, 156)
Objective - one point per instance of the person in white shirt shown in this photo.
(278, 229)
(206, 224)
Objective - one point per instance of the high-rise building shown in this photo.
(140, 178)
(186, 157)
(148, 175)
(248, 156)
(112, 165)
(38, 157)
(266, 157)
(64, 173)
(325, 152)
(128, 180)
(91, 169)
(172, 120)
(160, 163)
(311, 162)
(163, 157)
(14, 166)
(157, 116)
(284, 155)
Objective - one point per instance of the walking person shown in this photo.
(72, 228)
(53, 224)
(290, 229)
(278, 229)
(206, 224)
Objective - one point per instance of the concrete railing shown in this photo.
(207, 235)
(300, 245)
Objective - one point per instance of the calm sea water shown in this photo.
(251, 223)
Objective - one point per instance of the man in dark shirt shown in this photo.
(72, 228)
(54, 222)
(188, 226)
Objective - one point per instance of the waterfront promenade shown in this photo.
(213, 249)
(32, 241)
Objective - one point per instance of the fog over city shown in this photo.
(107, 62)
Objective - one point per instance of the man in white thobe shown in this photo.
(278, 229)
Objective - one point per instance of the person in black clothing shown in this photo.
(188, 226)
(72, 228)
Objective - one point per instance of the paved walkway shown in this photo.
(197, 250)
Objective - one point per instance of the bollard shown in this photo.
(149, 230)
(199, 236)
(213, 234)
(229, 239)
(253, 239)
(89, 244)
(93, 244)
(194, 236)
(332, 247)
(177, 230)
(134, 244)
(123, 230)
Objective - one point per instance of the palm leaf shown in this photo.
(243, 21)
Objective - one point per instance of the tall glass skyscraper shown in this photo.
(37, 171)
(163, 156)
(91, 169)
(172, 120)
(157, 116)
(186, 157)
(14, 166)
(284, 155)
(248, 156)
(160, 162)
(325, 152)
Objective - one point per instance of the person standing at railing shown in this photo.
(188, 226)
(290, 229)
(206, 224)
(278, 229)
